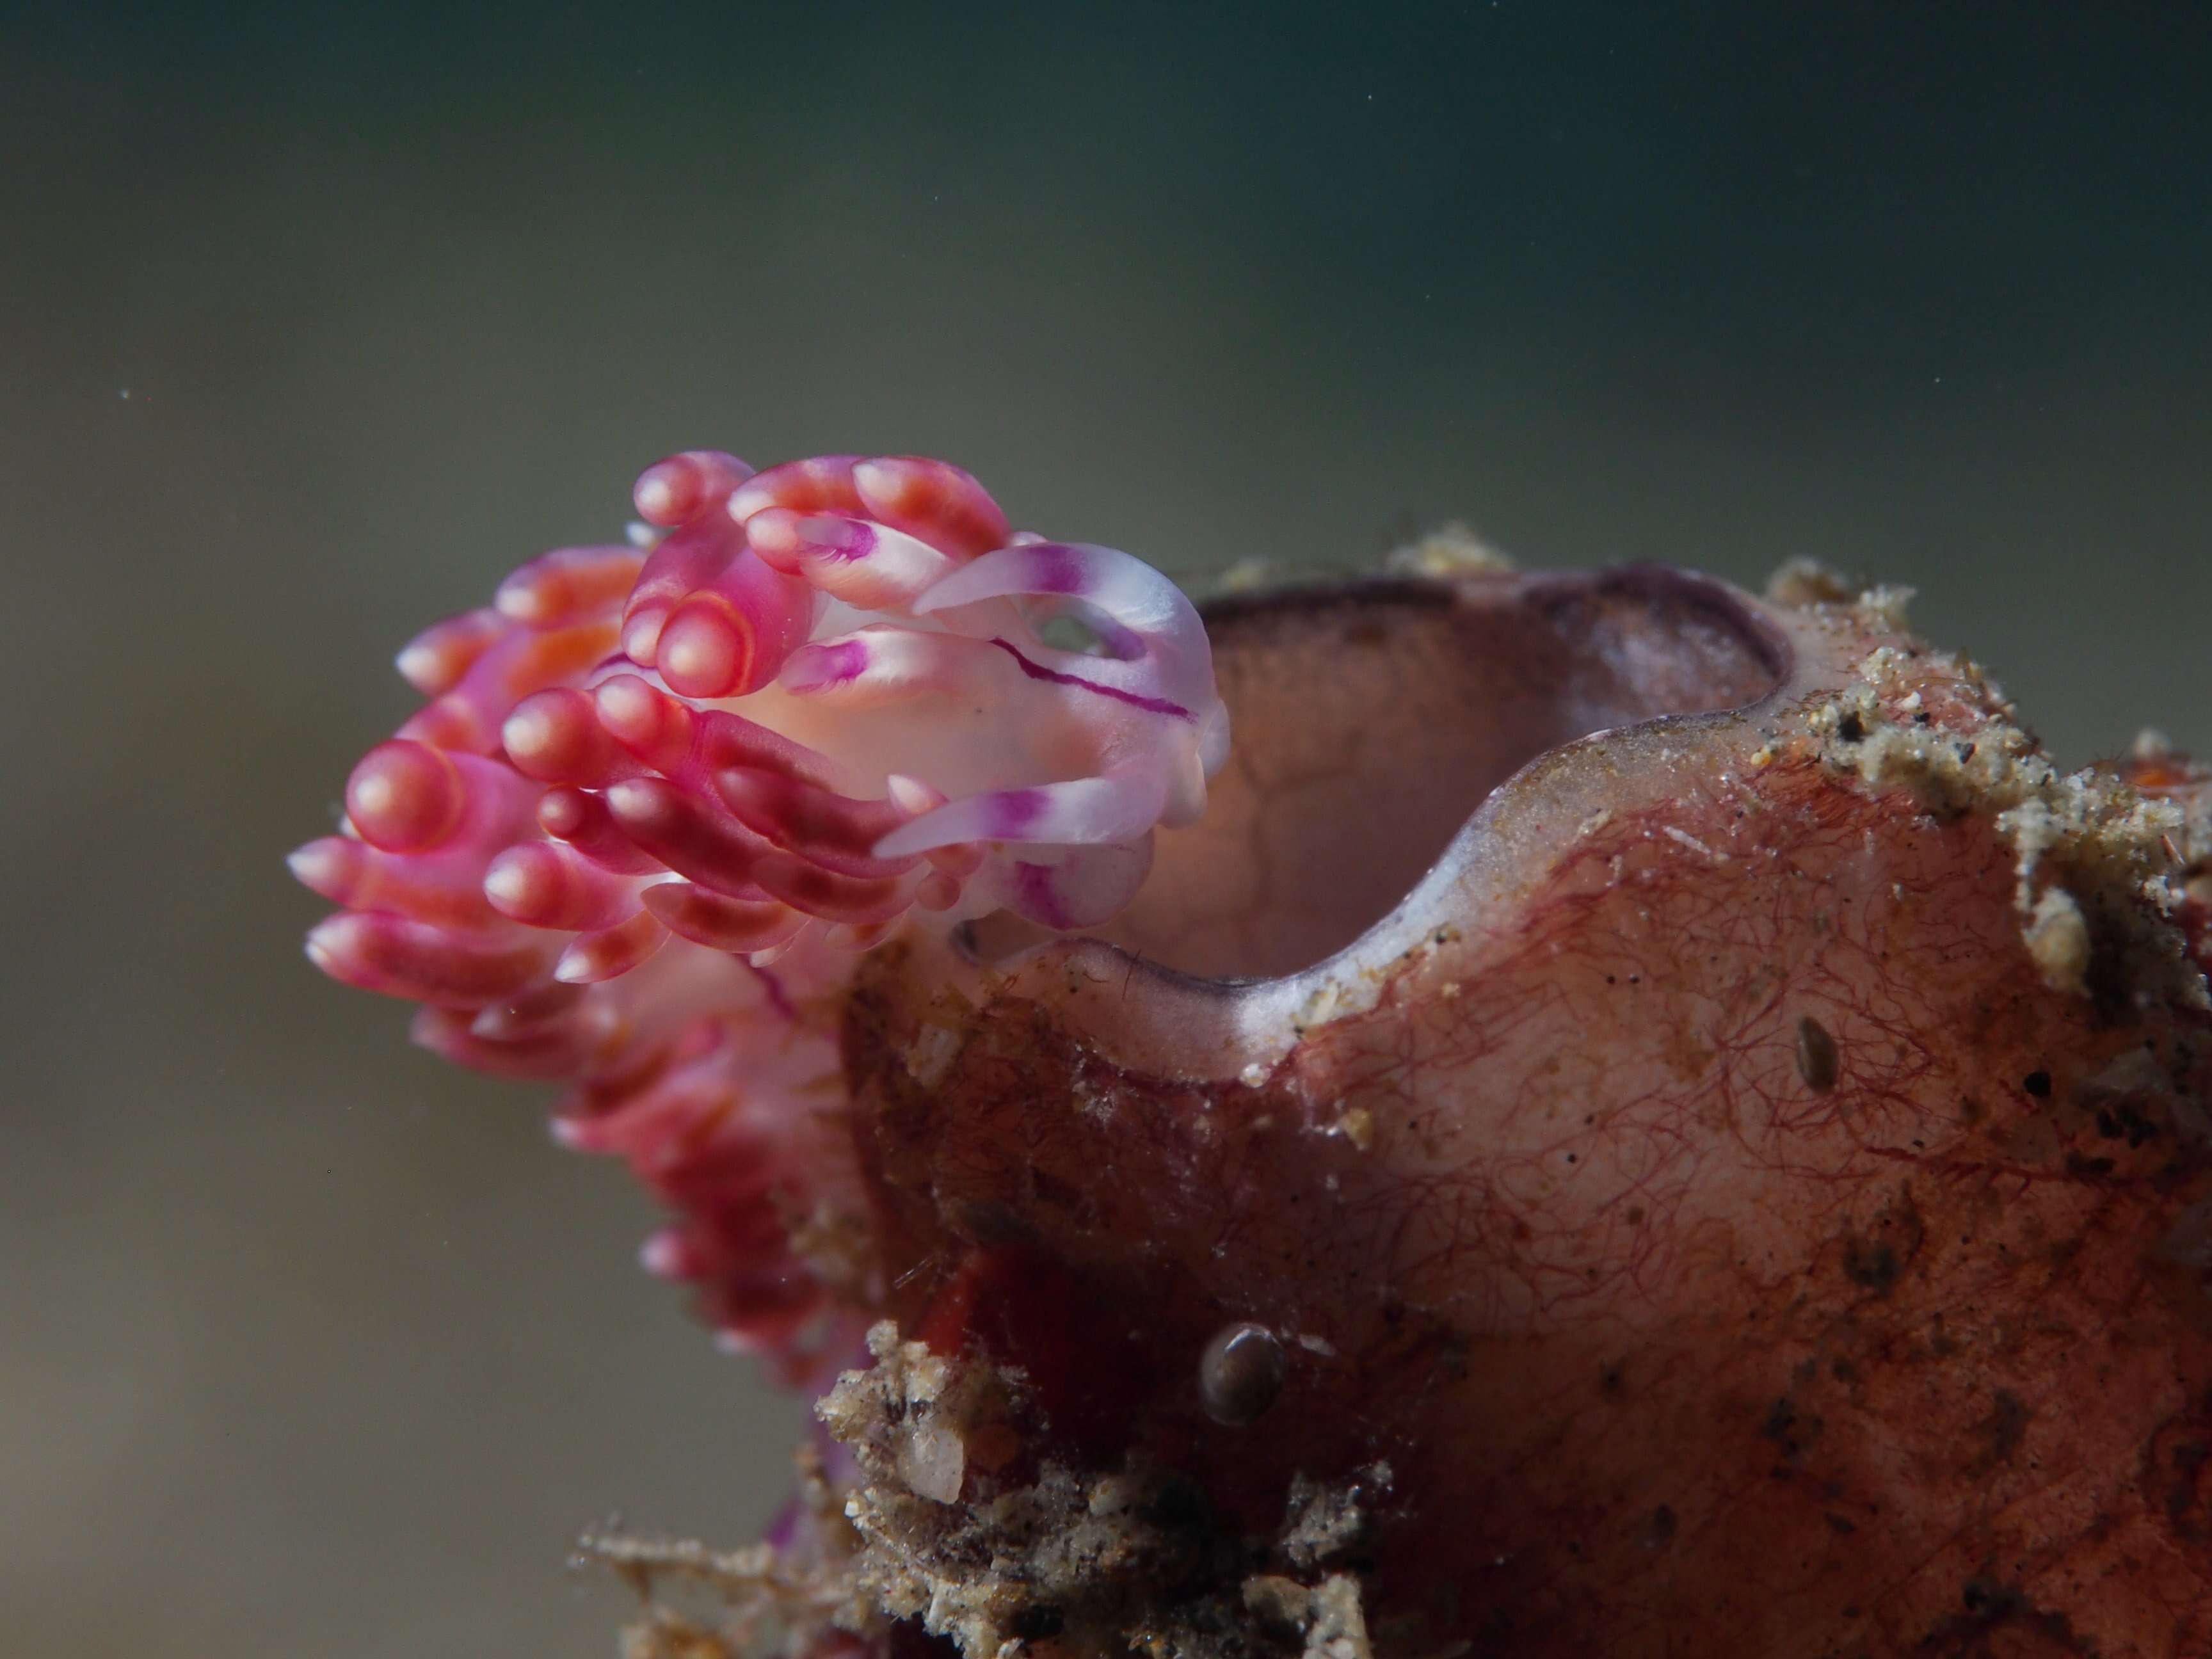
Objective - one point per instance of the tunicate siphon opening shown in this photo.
(1370, 723)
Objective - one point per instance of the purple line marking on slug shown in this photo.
(1037, 671)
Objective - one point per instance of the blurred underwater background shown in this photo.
(314, 320)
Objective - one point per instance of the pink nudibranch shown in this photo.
(663, 798)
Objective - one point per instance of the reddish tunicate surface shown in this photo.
(1736, 1240)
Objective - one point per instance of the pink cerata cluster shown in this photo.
(664, 795)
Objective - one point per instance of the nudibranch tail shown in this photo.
(665, 794)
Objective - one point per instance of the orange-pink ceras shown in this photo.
(663, 796)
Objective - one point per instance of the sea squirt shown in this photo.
(1640, 1119)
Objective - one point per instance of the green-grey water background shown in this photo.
(314, 321)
